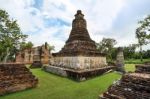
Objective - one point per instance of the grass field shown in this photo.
(136, 61)
(55, 87)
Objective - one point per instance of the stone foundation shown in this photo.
(56, 70)
(78, 67)
(78, 75)
(79, 62)
(81, 75)
(15, 77)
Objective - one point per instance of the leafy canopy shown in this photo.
(10, 36)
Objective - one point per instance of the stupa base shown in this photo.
(78, 75)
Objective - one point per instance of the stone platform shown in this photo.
(15, 77)
(78, 75)
(55, 70)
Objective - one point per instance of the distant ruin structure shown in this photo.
(39, 53)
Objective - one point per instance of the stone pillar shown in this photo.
(120, 60)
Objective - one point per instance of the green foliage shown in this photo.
(24, 45)
(106, 46)
(129, 51)
(146, 54)
(10, 36)
(114, 53)
(145, 27)
(130, 67)
(49, 47)
(143, 33)
(136, 61)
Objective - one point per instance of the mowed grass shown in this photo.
(130, 67)
(136, 61)
(55, 87)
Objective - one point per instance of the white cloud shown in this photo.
(21, 11)
(99, 14)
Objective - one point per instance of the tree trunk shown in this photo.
(6, 56)
(141, 57)
(0, 58)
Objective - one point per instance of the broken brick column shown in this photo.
(120, 60)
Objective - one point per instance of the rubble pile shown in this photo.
(15, 77)
(131, 85)
(143, 68)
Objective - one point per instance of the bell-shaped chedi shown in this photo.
(79, 57)
(79, 29)
(79, 41)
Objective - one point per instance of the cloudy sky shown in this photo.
(50, 20)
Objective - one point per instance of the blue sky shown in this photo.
(50, 20)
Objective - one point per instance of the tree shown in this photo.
(146, 54)
(10, 36)
(143, 33)
(129, 51)
(24, 45)
(28, 45)
(114, 53)
(106, 46)
(50, 47)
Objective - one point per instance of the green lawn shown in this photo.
(55, 87)
(130, 67)
(136, 61)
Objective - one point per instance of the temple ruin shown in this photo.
(79, 57)
(40, 53)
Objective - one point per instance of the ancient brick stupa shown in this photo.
(79, 55)
(79, 41)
